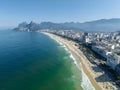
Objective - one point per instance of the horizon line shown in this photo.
(12, 26)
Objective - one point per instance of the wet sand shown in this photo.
(85, 64)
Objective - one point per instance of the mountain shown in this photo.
(102, 25)
(32, 26)
(44, 25)
(23, 24)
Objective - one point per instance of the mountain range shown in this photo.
(102, 25)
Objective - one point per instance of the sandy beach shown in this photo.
(86, 65)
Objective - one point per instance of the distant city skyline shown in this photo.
(14, 12)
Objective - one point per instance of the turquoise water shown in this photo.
(33, 61)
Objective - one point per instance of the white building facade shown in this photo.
(113, 60)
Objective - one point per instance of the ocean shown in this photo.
(33, 61)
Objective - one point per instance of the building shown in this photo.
(113, 60)
(100, 50)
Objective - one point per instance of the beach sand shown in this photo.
(86, 65)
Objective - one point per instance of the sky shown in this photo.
(13, 12)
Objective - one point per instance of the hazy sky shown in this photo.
(13, 12)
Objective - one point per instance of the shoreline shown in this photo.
(86, 66)
(74, 50)
(85, 79)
